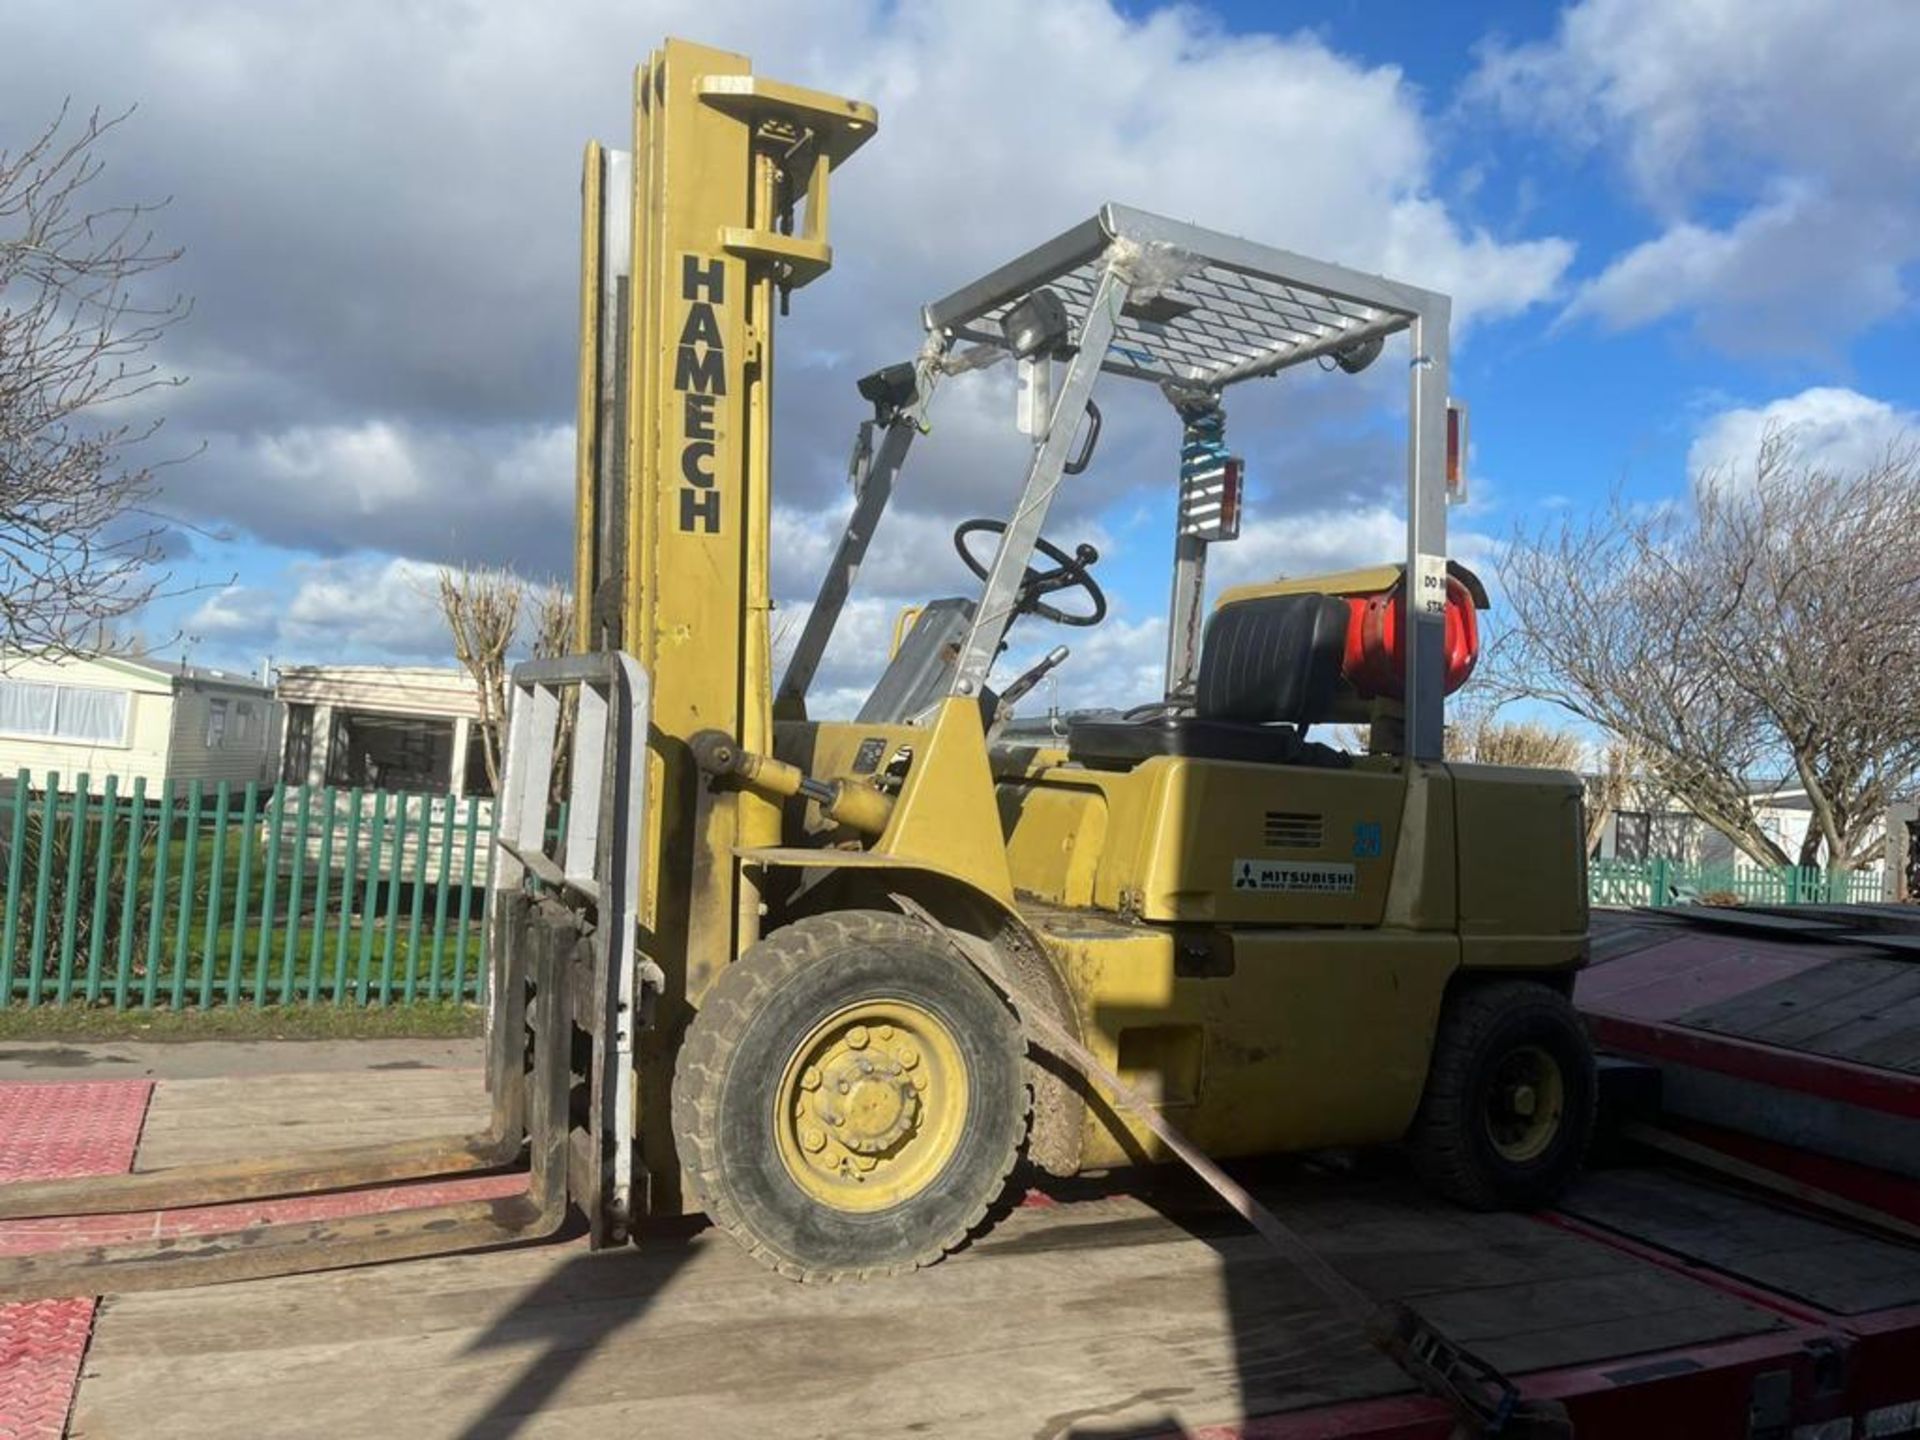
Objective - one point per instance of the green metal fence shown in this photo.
(209, 895)
(1674, 882)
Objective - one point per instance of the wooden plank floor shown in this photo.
(1861, 1008)
(1079, 1319)
(1845, 1272)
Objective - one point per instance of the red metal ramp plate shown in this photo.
(48, 1132)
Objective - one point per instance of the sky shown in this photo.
(1666, 227)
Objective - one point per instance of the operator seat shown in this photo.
(1268, 668)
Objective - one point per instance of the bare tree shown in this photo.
(1612, 779)
(1477, 734)
(552, 621)
(1760, 638)
(482, 610)
(79, 318)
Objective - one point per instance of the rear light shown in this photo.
(1456, 452)
(1230, 499)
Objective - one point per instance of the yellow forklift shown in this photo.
(788, 970)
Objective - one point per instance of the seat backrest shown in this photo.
(1272, 658)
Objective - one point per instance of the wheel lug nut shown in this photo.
(857, 1037)
(885, 1032)
(909, 1056)
(864, 1163)
(919, 1082)
(810, 1078)
(813, 1139)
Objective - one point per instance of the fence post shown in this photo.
(422, 833)
(1658, 883)
(322, 882)
(450, 805)
(130, 894)
(16, 856)
(102, 883)
(70, 900)
(42, 885)
(348, 864)
(466, 909)
(370, 897)
(189, 872)
(269, 889)
(242, 892)
(216, 878)
(396, 860)
(298, 865)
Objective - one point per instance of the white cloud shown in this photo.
(1791, 272)
(1329, 540)
(1831, 428)
(378, 205)
(353, 608)
(1772, 141)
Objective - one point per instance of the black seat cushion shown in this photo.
(1106, 743)
(1122, 744)
(1274, 657)
(1266, 665)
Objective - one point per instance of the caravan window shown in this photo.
(216, 724)
(64, 712)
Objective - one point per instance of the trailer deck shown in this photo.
(1660, 1299)
(1093, 1314)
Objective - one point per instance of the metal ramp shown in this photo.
(567, 981)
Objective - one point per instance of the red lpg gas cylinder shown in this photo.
(1376, 657)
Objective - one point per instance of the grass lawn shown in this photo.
(441, 1019)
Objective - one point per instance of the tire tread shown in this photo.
(730, 1002)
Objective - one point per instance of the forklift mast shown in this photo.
(690, 241)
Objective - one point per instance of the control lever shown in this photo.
(1019, 688)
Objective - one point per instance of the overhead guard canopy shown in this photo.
(1207, 309)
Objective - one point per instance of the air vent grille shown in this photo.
(1295, 830)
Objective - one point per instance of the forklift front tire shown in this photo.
(850, 1100)
(1509, 1104)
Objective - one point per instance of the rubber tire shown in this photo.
(737, 1048)
(1450, 1147)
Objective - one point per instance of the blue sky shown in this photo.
(1666, 226)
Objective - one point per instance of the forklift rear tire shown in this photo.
(1509, 1105)
(850, 1099)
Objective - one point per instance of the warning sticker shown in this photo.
(1294, 876)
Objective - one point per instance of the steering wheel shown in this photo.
(1069, 573)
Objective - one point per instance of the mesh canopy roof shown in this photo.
(1206, 309)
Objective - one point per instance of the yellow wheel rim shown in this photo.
(1525, 1103)
(871, 1105)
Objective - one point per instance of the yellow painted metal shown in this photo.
(1525, 1103)
(871, 1105)
(586, 506)
(1307, 1037)
(947, 812)
(1366, 580)
(1167, 839)
(902, 623)
(1521, 867)
(728, 209)
(847, 801)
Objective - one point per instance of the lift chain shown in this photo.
(1486, 1402)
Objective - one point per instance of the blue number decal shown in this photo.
(1366, 840)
